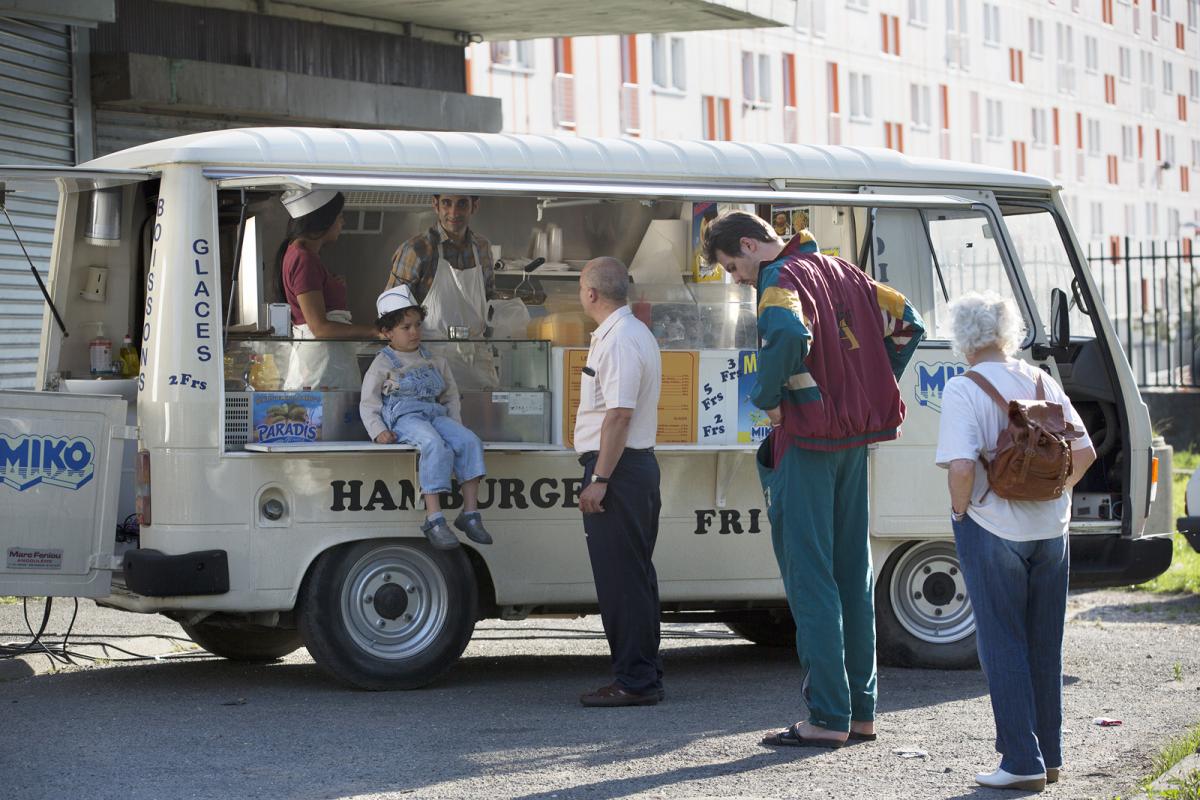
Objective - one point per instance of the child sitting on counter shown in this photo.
(410, 397)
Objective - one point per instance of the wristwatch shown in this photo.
(598, 478)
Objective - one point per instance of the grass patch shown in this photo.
(1184, 573)
(8, 601)
(1187, 788)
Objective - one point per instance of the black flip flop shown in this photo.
(792, 738)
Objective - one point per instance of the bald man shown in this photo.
(615, 431)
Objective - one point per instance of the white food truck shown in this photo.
(263, 520)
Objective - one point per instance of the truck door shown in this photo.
(60, 468)
(931, 256)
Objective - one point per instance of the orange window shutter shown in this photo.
(945, 107)
(1078, 130)
(726, 116)
(896, 34)
(835, 89)
(883, 20)
(900, 136)
(710, 118)
(1141, 142)
(1057, 138)
(631, 45)
(568, 56)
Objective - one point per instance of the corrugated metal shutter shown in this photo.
(36, 127)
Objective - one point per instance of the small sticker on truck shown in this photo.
(34, 558)
(64, 461)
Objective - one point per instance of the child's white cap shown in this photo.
(395, 299)
(300, 202)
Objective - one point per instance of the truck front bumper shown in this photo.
(1102, 561)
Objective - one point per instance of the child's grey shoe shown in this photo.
(439, 534)
(471, 523)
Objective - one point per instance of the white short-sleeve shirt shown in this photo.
(971, 423)
(628, 374)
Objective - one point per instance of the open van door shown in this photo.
(60, 469)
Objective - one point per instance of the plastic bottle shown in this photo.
(130, 363)
(100, 351)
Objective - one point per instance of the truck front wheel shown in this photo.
(923, 617)
(387, 614)
(252, 644)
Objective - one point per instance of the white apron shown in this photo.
(459, 297)
(328, 366)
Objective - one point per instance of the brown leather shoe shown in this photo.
(614, 695)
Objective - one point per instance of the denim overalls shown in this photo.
(413, 413)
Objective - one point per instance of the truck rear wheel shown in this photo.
(767, 628)
(923, 617)
(387, 614)
(252, 644)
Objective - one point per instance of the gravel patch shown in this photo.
(505, 722)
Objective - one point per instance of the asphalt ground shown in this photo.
(506, 723)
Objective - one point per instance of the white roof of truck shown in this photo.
(413, 152)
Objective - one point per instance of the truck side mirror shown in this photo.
(1060, 320)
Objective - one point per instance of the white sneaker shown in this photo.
(1001, 779)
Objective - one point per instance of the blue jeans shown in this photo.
(445, 445)
(1019, 593)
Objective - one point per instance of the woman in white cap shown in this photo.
(409, 396)
(316, 296)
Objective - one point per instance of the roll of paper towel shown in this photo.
(661, 255)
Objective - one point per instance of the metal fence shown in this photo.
(1149, 291)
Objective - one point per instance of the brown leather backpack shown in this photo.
(1033, 454)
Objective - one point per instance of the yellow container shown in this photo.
(563, 329)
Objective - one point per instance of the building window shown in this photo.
(860, 97)
(513, 55)
(1037, 38)
(631, 116)
(1169, 148)
(669, 62)
(1127, 143)
(890, 32)
(958, 48)
(1097, 220)
(564, 83)
(995, 120)
(1147, 82)
(1196, 154)
(810, 17)
(756, 79)
(1168, 77)
(716, 118)
(918, 13)
(1065, 37)
(1016, 65)
(1093, 137)
(858, 5)
(991, 24)
(1020, 156)
(920, 99)
(1194, 84)
(833, 92)
(1125, 58)
(1106, 11)
(1091, 55)
(1041, 134)
(1193, 14)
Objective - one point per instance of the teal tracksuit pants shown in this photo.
(817, 505)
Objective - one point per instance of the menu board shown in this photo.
(677, 402)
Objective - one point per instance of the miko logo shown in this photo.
(66, 461)
(931, 382)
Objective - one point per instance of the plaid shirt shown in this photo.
(416, 261)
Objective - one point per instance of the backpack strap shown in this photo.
(990, 390)
(1041, 389)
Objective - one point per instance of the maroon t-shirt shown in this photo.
(303, 272)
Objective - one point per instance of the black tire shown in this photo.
(253, 644)
(918, 581)
(767, 628)
(387, 613)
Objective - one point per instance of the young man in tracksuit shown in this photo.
(832, 344)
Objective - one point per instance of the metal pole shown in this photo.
(1128, 305)
(1154, 308)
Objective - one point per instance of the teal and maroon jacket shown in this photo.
(832, 344)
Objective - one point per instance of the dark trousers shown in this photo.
(620, 545)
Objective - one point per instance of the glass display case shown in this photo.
(303, 390)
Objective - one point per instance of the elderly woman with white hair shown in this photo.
(1013, 553)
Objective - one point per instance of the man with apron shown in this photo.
(449, 270)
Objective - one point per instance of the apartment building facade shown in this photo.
(1103, 96)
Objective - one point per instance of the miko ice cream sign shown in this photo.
(30, 459)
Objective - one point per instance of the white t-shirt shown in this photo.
(628, 374)
(971, 423)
